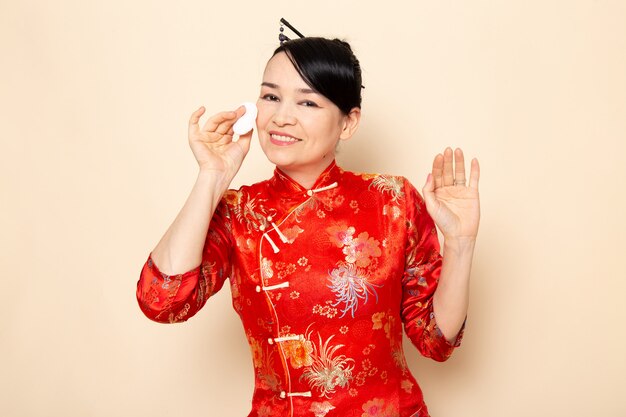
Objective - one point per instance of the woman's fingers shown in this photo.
(220, 123)
(459, 167)
(448, 175)
(226, 128)
(244, 141)
(438, 170)
(194, 119)
(474, 174)
(449, 169)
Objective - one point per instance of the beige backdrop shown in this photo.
(94, 164)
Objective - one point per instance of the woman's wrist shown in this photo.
(459, 245)
(214, 179)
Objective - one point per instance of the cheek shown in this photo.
(264, 114)
(327, 126)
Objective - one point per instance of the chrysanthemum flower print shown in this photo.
(350, 284)
(329, 369)
(389, 184)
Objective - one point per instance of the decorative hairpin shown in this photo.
(281, 36)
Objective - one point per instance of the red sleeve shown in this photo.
(419, 282)
(175, 298)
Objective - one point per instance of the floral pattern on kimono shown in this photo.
(323, 280)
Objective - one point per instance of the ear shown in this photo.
(350, 123)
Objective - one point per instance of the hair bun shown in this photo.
(343, 43)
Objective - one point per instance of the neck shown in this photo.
(306, 177)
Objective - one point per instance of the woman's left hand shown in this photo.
(452, 200)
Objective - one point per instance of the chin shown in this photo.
(279, 160)
(279, 157)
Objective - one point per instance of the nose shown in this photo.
(284, 115)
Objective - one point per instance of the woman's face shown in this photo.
(298, 128)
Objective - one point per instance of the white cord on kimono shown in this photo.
(272, 287)
(269, 239)
(284, 394)
(285, 338)
(280, 234)
(317, 190)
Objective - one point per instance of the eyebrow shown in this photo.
(300, 90)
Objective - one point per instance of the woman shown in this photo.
(324, 265)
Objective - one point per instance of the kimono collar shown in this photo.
(328, 179)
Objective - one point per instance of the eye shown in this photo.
(269, 97)
(309, 103)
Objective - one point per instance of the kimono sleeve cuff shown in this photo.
(457, 340)
(154, 269)
(166, 298)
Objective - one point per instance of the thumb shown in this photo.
(244, 141)
(428, 192)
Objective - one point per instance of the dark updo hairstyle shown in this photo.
(329, 67)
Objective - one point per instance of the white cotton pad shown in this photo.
(247, 121)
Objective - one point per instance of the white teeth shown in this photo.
(281, 138)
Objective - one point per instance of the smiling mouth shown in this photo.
(283, 139)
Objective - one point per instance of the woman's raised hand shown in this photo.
(213, 145)
(451, 200)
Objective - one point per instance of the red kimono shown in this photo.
(323, 280)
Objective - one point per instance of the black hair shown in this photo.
(329, 67)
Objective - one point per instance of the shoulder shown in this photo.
(390, 186)
(236, 197)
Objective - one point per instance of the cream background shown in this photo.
(94, 164)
